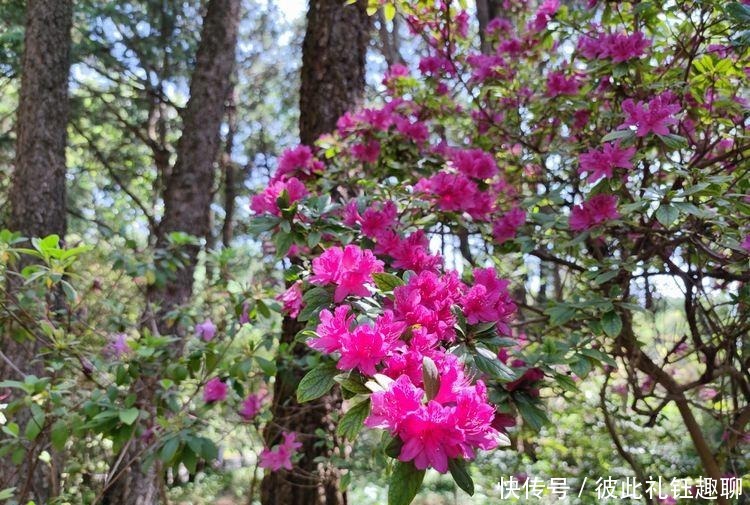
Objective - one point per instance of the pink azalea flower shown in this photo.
(394, 73)
(488, 300)
(332, 329)
(746, 243)
(251, 406)
(707, 394)
(411, 253)
(602, 163)
(475, 163)
(280, 456)
(390, 407)
(298, 160)
(558, 84)
(654, 117)
(368, 345)
(215, 390)
(507, 226)
(426, 301)
(488, 66)
(350, 269)
(292, 299)
(368, 152)
(431, 437)
(266, 200)
(617, 47)
(118, 346)
(206, 330)
(595, 211)
(375, 222)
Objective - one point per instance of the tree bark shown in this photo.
(37, 201)
(333, 81)
(187, 202)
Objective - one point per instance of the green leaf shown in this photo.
(461, 476)
(404, 484)
(600, 356)
(7, 493)
(489, 363)
(611, 323)
(59, 435)
(314, 300)
(316, 382)
(353, 421)
(36, 423)
(581, 367)
(389, 11)
(532, 414)
(393, 449)
(618, 135)
(387, 282)
(738, 12)
(674, 141)
(169, 449)
(667, 214)
(128, 416)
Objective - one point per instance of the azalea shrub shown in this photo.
(601, 142)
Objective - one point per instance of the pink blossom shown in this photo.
(558, 84)
(602, 163)
(368, 345)
(390, 407)
(206, 330)
(544, 14)
(506, 227)
(411, 253)
(332, 329)
(280, 456)
(118, 346)
(267, 200)
(488, 300)
(416, 131)
(215, 390)
(457, 193)
(475, 417)
(426, 300)
(707, 394)
(297, 160)
(349, 269)
(251, 406)
(654, 117)
(292, 299)
(595, 211)
(475, 163)
(746, 243)
(617, 47)
(394, 73)
(435, 66)
(367, 152)
(488, 66)
(431, 437)
(377, 221)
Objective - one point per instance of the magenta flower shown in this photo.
(206, 330)
(350, 269)
(280, 456)
(746, 243)
(299, 161)
(654, 117)
(507, 226)
(558, 84)
(251, 406)
(475, 163)
(267, 200)
(431, 436)
(118, 346)
(617, 47)
(292, 299)
(367, 152)
(593, 212)
(215, 390)
(368, 345)
(390, 407)
(488, 300)
(410, 253)
(332, 329)
(602, 163)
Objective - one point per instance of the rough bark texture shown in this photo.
(333, 80)
(187, 203)
(37, 201)
(333, 65)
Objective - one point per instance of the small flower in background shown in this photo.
(349, 268)
(117, 346)
(707, 394)
(746, 243)
(292, 299)
(206, 330)
(252, 405)
(280, 456)
(215, 390)
(602, 163)
(656, 116)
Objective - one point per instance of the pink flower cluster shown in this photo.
(298, 161)
(292, 299)
(350, 269)
(596, 210)
(266, 201)
(457, 193)
(454, 424)
(215, 390)
(475, 163)
(653, 117)
(506, 227)
(617, 47)
(602, 163)
(559, 84)
(280, 456)
(488, 300)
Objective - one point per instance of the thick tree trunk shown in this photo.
(37, 201)
(187, 202)
(333, 80)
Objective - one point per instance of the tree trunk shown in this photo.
(333, 81)
(37, 201)
(187, 202)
